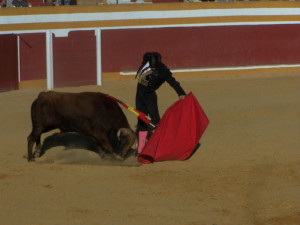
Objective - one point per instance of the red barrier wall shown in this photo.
(194, 47)
(8, 62)
(32, 56)
(74, 59)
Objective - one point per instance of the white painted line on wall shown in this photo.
(223, 68)
(134, 15)
(66, 30)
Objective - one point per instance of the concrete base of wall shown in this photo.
(33, 84)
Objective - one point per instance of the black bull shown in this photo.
(88, 113)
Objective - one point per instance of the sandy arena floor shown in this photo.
(246, 171)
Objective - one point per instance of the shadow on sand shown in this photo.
(69, 141)
(195, 149)
(79, 149)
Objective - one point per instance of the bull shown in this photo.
(89, 113)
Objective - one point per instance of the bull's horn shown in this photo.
(124, 132)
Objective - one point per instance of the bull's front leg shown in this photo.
(104, 141)
(100, 151)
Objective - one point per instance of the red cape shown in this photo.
(178, 132)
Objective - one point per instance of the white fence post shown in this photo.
(98, 56)
(49, 59)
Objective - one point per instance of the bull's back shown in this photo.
(73, 110)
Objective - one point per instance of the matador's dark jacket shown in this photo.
(152, 80)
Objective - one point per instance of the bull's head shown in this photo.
(128, 140)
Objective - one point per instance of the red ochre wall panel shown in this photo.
(9, 62)
(195, 47)
(33, 56)
(74, 59)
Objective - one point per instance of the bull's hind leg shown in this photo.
(34, 137)
(38, 148)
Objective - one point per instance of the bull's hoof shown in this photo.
(118, 157)
(37, 154)
(31, 160)
(102, 155)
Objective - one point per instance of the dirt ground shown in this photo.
(246, 171)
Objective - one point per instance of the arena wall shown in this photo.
(8, 62)
(195, 39)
